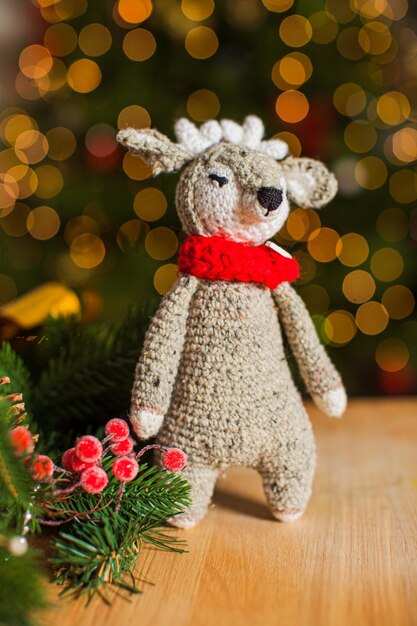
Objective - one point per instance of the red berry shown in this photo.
(122, 447)
(42, 467)
(21, 440)
(125, 468)
(94, 479)
(67, 459)
(118, 429)
(88, 449)
(72, 463)
(174, 460)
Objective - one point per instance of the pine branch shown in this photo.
(90, 379)
(98, 552)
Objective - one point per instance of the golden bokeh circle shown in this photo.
(135, 167)
(403, 186)
(339, 327)
(292, 106)
(165, 277)
(84, 75)
(161, 243)
(358, 286)
(134, 116)
(95, 39)
(134, 11)
(295, 31)
(349, 99)
(387, 264)
(139, 44)
(50, 181)
(372, 318)
(150, 204)
(203, 105)
(87, 251)
(360, 136)
(60, 39)
(197, 10)
(352, 249)
(43, 223)
(201, 42)
(399, 301)
(61, 142)
(371, 172)
(322, 244)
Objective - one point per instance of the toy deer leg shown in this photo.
(202, 480)
(287, 473)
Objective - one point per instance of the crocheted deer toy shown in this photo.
(213, 378)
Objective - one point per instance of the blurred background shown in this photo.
(336, 79)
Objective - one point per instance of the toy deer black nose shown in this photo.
(270, 198)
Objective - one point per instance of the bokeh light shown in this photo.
(197, 10)
(387, 264)
(392, 224)
(358, 286)
(131, 236)
(278, 6)
(371, 172)
(35, 61)
(292, 106)
(372, 318)
(165, 277)
(161, 243)
(139, 44)
(399, 301)
(50, 181)
(135, 167)
(201, 42)
(392, 355)
(203, 105)
(87, 250)
(322, 244)
(43, 223)
(150, 204)
(95, 40)
(403, 186)
(134, 116)
(61, 143)
(60, 39)
(352, 249)
(295, 31)
(339, 327)
(349, 99)
(134, 11)
(84, 75)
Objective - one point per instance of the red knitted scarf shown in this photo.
(216, 258)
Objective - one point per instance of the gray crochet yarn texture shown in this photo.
(213, 378)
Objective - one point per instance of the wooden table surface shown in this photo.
(350, 561)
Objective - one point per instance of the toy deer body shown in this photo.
(213, 378)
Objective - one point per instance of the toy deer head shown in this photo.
(234, 183)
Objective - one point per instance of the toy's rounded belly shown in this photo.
(233, 376)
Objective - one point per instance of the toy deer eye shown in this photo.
(221, 180)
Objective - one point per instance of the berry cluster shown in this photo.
(84, 460)
(83, 463)
(22, 442)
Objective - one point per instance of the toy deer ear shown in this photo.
(159, 152)
(309, 182)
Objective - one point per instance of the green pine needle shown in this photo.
(98, 553)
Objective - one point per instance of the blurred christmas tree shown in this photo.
(335, 79)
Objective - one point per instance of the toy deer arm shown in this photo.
(320, 376)
(158, 363)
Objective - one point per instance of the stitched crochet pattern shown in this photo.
(213, 377)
